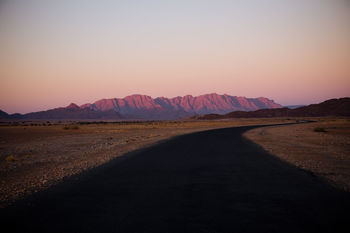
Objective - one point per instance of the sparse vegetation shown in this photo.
(11, 158)
(70, 127)
(74, 127)
(320, 130)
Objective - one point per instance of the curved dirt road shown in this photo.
(212, 181)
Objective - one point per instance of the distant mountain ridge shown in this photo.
(209, 103)
(145, 107)
(333, 107)
(3, 115)
(294, 106)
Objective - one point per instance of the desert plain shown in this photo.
(37, 155)
(321, 148)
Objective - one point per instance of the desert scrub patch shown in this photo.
(11, 158)
(130, 140)
(70, 127)
(74, 127)
(320, 130)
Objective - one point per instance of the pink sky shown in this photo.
(57, 52)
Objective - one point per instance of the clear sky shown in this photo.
(56, 52)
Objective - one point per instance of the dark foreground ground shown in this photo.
(213, 181)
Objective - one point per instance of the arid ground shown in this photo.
(322, 148)
(209, 181)
(36, 155)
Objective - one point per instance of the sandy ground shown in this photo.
(34, 156)
(322, 148)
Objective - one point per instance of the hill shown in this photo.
(332, 107)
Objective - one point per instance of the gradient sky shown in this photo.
(56, 52)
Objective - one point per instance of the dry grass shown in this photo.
(322, 148)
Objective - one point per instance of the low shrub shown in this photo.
(320, 130)
(72, 127)
(11, 158)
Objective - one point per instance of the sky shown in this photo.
(53, 53)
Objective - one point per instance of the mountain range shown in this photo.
(147, 108)
(333, 107)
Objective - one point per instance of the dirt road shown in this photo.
(212, 181)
